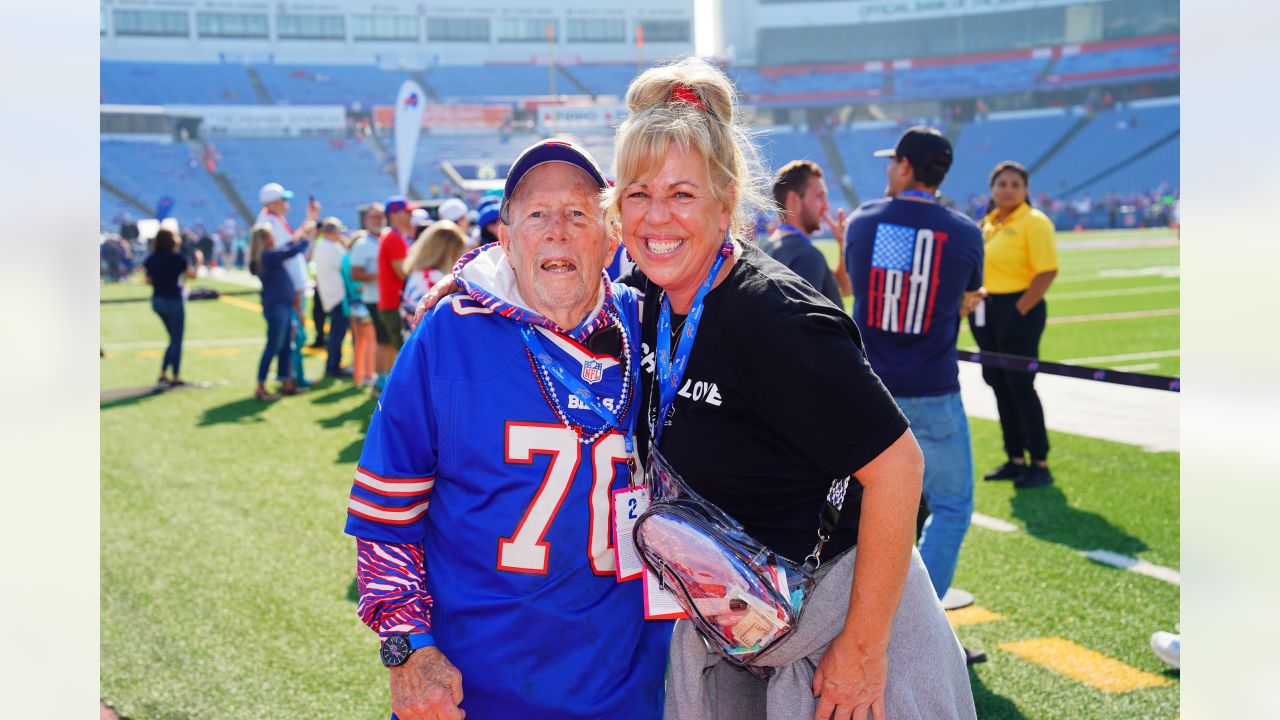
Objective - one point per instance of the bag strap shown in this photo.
(828, 516)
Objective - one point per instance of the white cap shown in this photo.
(272, 192)
(453, 209)
(419, 217)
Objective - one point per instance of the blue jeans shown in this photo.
(173, 314)
(279, 321)
(941, 428)
(337, 333)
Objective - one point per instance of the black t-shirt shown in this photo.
(802, 258)
(165, 270)
(777, 401)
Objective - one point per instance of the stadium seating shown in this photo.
(1142, 62)
(604, 78)
(342, 174)
(490, 81)
(981, 145)
(144, 83)
(331, 84)
(1110, 138)
(856, 146)
(149, 171)
(967, 78)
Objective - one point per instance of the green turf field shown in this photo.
(227, 585)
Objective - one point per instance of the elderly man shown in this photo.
(521, 613)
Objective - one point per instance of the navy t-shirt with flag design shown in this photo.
(910, 263)
(518, 553)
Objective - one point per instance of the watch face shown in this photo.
(394, 651)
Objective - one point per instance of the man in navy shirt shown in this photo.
(916, 269)
(801, 195)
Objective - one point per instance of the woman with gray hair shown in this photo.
(759, 395)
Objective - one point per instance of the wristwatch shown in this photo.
(396, 649)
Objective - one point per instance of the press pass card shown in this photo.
(628, 504)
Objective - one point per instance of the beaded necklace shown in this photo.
(587, 434)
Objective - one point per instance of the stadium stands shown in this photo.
(856, 146)
(981, 145)
(964, 79)
(342, 174)
(144, 83)
(1140, 59)
(605, 78)
(149, 171)
(490, 81)
(1111, 138)
(331, 84)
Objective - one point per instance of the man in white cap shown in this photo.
(455, 211)
(275, 205)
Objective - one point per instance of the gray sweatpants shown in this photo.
(927, 679)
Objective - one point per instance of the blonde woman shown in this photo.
(760, 395)
(267, 262)
(430, 257)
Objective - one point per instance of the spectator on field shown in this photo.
(421, 220)
(801, 197)
(488, 220)
(430, 258)
(266, 260)
(363, 339)
(455, 211)
(392, 249)
(1021, 263)
(364, 269)
(910, 289)
(275, 205)
(165, 269)
(331, 292)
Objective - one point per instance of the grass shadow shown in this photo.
(991, 706)
(353, 592)
(245, 410)
(359, 413)
(333, 397)
(350, 454)
(112, 399)
(1048, 516)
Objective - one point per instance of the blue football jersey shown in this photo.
(517, 539)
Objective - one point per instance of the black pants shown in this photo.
(318, 317)
(1006, 331)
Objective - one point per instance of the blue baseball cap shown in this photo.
(545, 151)
(489, 212)
(396, 203)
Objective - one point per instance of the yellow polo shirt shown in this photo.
(1017, 249)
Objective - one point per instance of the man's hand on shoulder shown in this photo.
(427, 687)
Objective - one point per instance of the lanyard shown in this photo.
(575, 386)
(786, 229)
(670, 374)
(918, 194)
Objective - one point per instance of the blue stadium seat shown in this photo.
(146, 83)
(149, 171)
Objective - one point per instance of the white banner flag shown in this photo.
(410, 104)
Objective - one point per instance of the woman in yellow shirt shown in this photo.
(1021, 262)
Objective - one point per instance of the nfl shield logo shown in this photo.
(592, 371)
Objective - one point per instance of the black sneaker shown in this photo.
(1008, 471)
(1033, 477)
(339, 374)
(973, 657)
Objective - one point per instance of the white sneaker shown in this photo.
(1167, 647)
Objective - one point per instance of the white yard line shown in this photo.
(1115, 293)
(1132, 315)
(1142, 567)
(1119, 358)
(990, 523)
(1138, 367)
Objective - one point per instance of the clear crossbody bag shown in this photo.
(742, 597)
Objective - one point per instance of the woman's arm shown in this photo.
(1033, 294)
(852, 673)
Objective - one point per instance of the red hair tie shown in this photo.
(683, 93)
